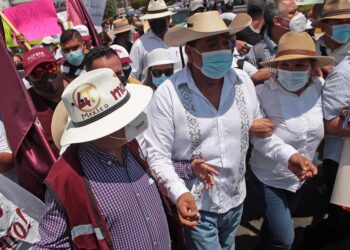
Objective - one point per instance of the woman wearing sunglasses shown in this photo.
(160, 66)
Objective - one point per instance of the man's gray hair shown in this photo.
(273, 8)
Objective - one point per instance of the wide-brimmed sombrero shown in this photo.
(202, 25)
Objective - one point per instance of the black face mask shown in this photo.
(158, 26)
(122, 80)
(127, 72)
(48, 84)
(19, 66)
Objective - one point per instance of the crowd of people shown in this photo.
(155, 131)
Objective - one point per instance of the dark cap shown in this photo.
(34, 57)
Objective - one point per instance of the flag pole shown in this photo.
(2, 15)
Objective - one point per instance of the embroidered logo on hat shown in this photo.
(98, 104)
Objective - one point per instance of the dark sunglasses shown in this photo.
(158, 72)
(71, 48)
(50, 68)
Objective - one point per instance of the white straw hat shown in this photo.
(202, 25)
(156, 9)
(159, 56)
(99, 104)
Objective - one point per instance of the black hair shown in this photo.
(96, 53)
(70, 34)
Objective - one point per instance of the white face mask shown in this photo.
(292, 80)
(297, 23)
(134, 128)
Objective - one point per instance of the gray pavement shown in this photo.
(312, 210)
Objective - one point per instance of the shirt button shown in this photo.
(155, 243)
(138, 194)
(109, 163)
(147, 218)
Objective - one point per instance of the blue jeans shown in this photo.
(275, 206)
(215, 231)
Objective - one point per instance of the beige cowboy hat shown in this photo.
(156, 9)
(202, 25)
(333, 9)
(98, 104)
(297, 45)
(120, 25)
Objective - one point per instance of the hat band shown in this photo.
(296, 51)
(104, 113)
(157, 11)
(335, 13)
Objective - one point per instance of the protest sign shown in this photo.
(20, 213)
(96, 9)
(307, 2)
(35, 19)
(341, 190)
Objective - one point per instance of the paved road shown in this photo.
(312, 209)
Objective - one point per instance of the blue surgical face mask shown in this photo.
(292, 80)
(75, 57)
(157, 81)
(215, 64)
(341, 33)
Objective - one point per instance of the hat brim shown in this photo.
(140, 96)
(113, 32)
(29, 70)
(159, 62)
(322, 60)
(58, 123)
(317, 23)
(125, 60)
(178, 36)
(157, 15)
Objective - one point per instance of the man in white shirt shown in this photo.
(158, 17)
(335, 23)
(201, 116)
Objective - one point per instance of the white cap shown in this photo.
(195, 4)
(48, 40)
(228, 16)
(122, 53)
(83, 30)
(159, 56)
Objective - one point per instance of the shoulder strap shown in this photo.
(182, 57)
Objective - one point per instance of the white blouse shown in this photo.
(299, 123)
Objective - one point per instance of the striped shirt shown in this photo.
(265, 50)
(336, 95)
(127, 197)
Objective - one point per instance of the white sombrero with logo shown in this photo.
(98, 104)
(203, 25)
(156, 9)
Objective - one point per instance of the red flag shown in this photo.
(77, 13)
(33, 156)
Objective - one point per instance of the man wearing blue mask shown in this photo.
(335, 23)
(200, 122)
(74, 50)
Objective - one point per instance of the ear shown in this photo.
(276, 21)
(189, 53)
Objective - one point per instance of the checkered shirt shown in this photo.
(270, 50)
(127, 197)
